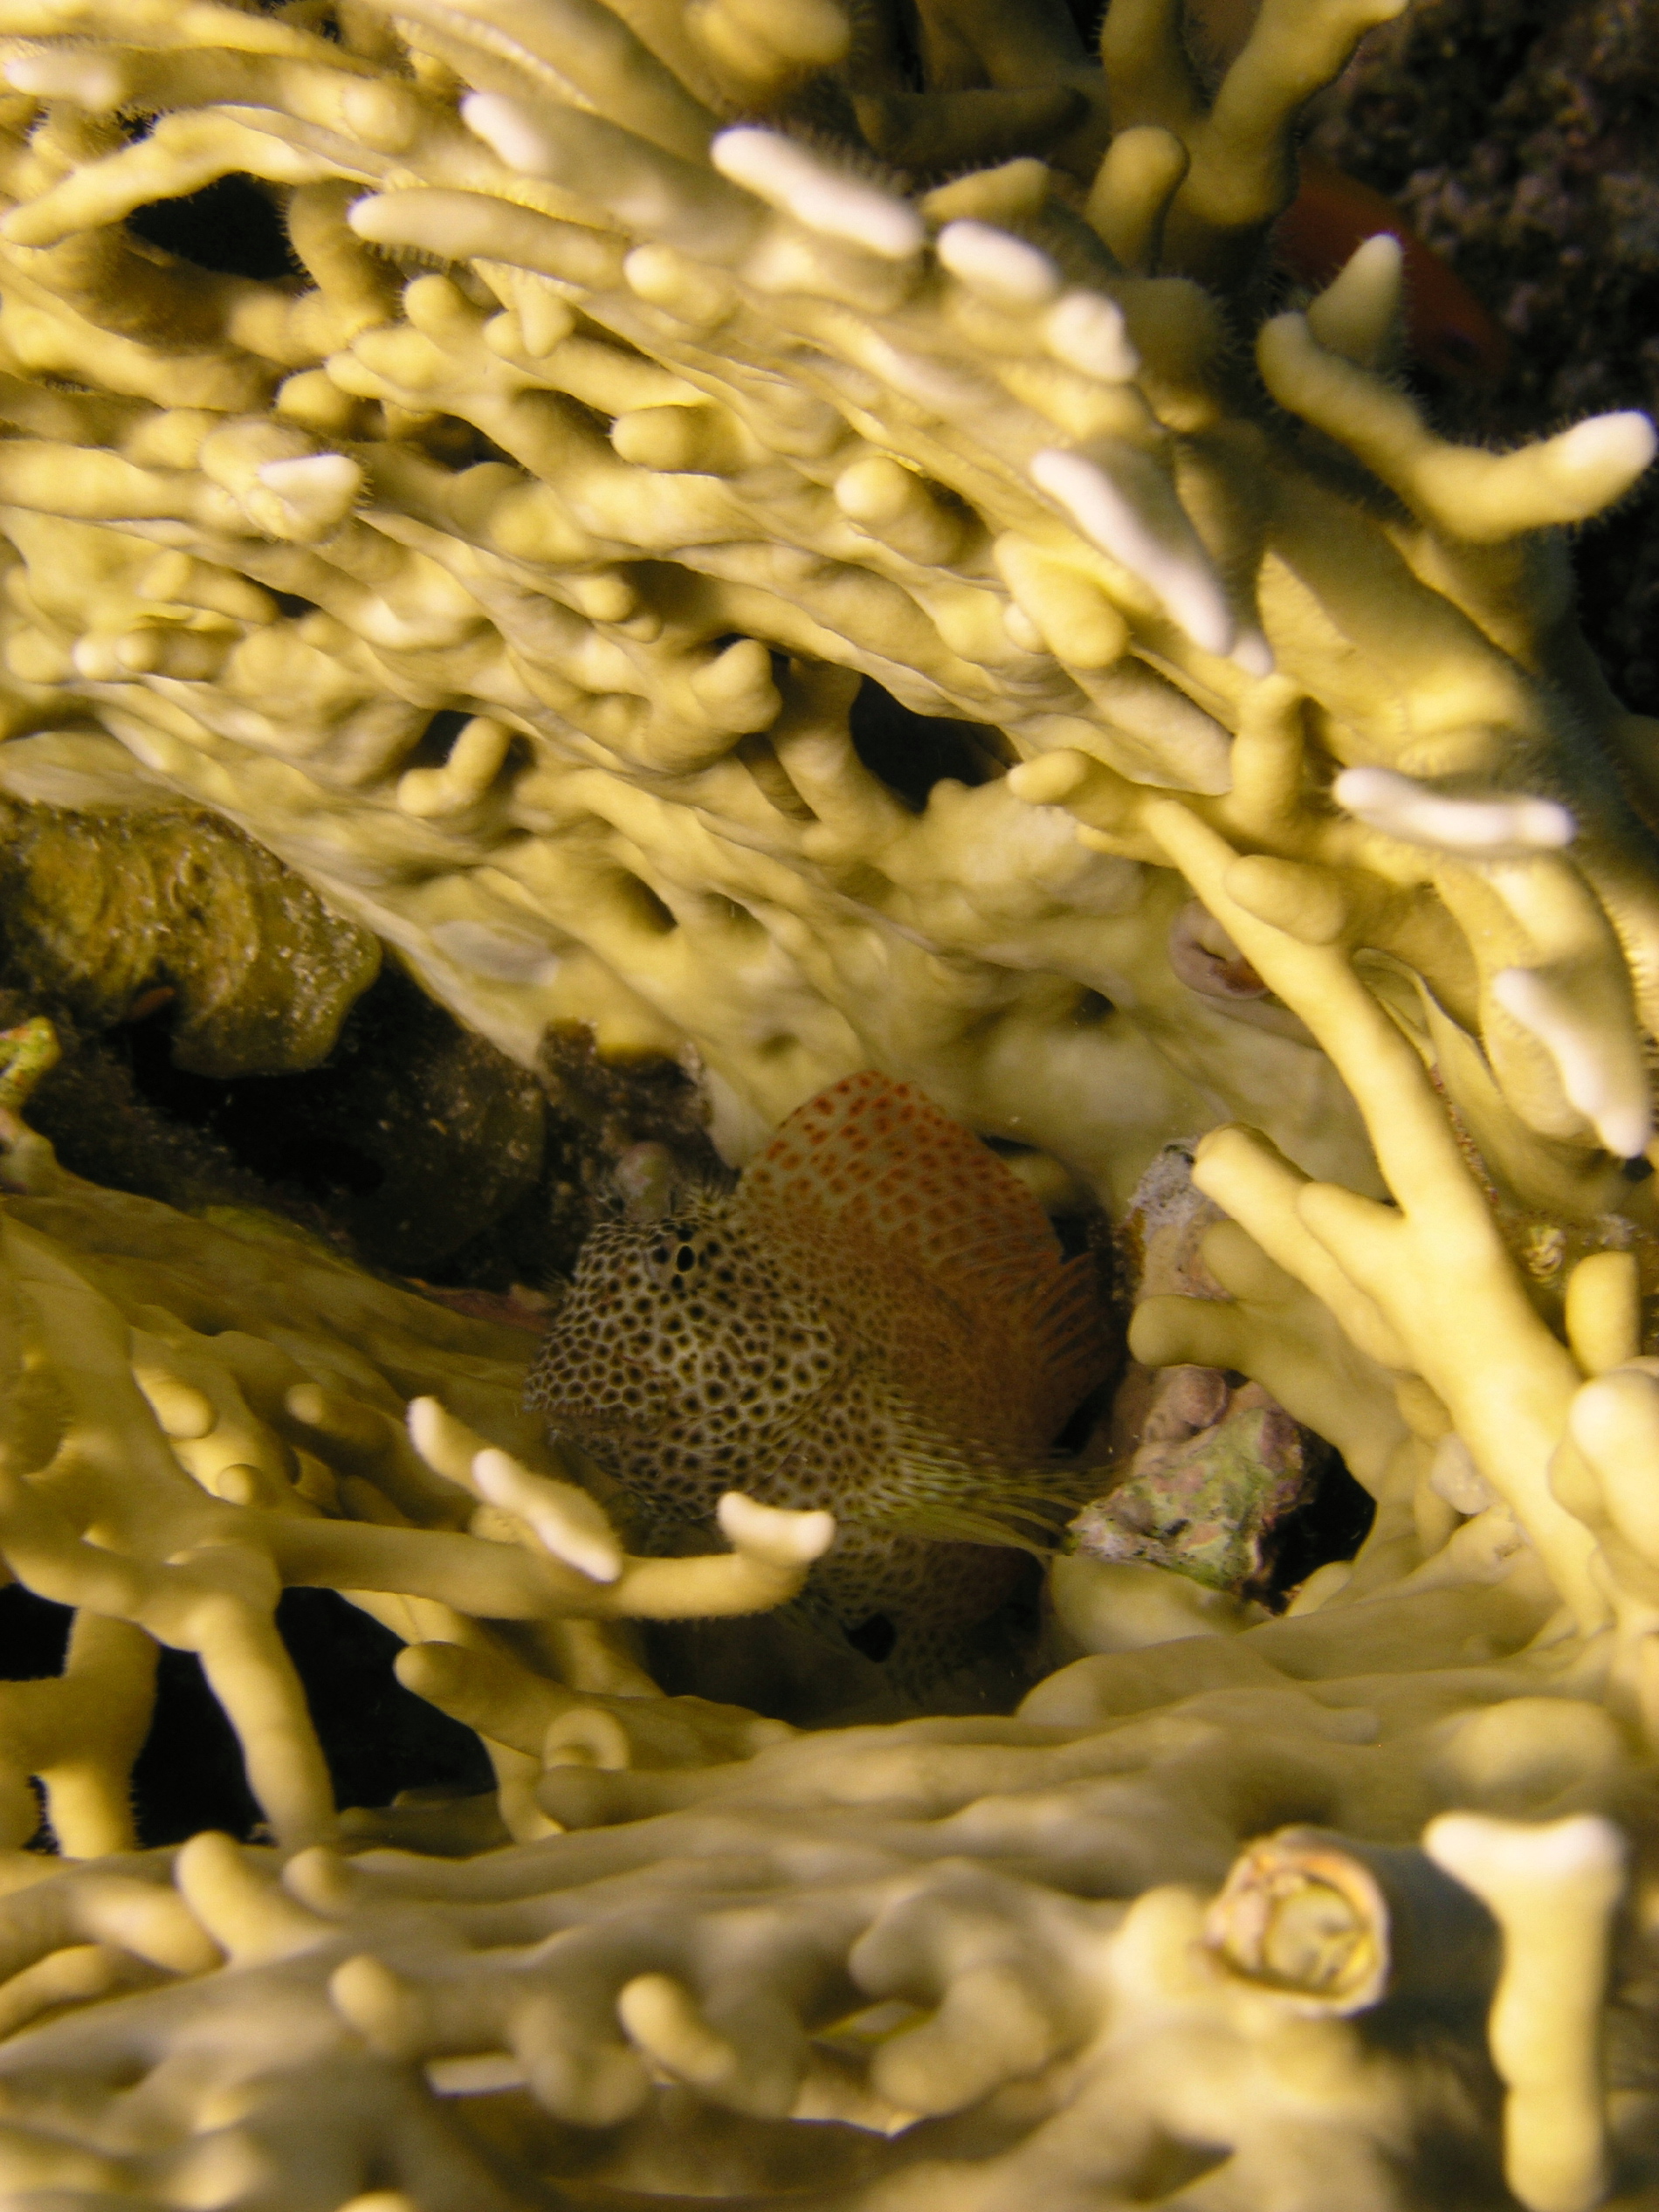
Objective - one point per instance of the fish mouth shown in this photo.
(579, 1422)
(631, 1404)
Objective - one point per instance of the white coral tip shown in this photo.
(1487, 1855)
(997, 266)
(787, 1539)
(87, 79)
(1608, 1086)
(508, 129)
(820, 198)
(564, 1521)
(1619, 445)
(1128, 508)
(1380, 257)
(319, 487)
(1086, 331)
(1412, 811)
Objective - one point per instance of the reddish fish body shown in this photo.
(878, 1321)
(1446, 326)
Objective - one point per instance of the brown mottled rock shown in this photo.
(1206, 1465)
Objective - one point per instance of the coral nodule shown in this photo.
(824, 549)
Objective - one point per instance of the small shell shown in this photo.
(1333, 1927)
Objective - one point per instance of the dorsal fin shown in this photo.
(871, 1185)
(881, 1156)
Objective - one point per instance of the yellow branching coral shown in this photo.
(802, 542)
(199, 1413)
(982, 1948)
(695, 426)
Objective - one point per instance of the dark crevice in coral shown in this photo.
(378, 1738)
(432, 748)
(1086, 1419)
(457, 445)
(414, 1146)
(103, 1128)
(875, 1637)
(189, 1775)
(408, 1135)
(910, 752)
(651, 912)
(33, 1634)
(231, 225)
(1088, 15)
(1332, 1525)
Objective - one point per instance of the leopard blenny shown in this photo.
(877, 1319)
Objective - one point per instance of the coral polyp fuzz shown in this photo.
(789, 178)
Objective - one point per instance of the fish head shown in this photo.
(681, 1326)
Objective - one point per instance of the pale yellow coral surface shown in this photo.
(511, 570)
(201, 1414)
(675, 447)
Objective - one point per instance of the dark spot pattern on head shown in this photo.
(682, 1357)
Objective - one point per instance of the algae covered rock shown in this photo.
(1205, 1468)
(1207, 1503)
(230, 1039)
(103, 912)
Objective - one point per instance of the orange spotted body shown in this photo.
(1446, 326)
(877, 1319)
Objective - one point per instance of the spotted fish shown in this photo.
(877, 1319)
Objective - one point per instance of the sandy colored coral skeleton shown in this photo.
(809, 543)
